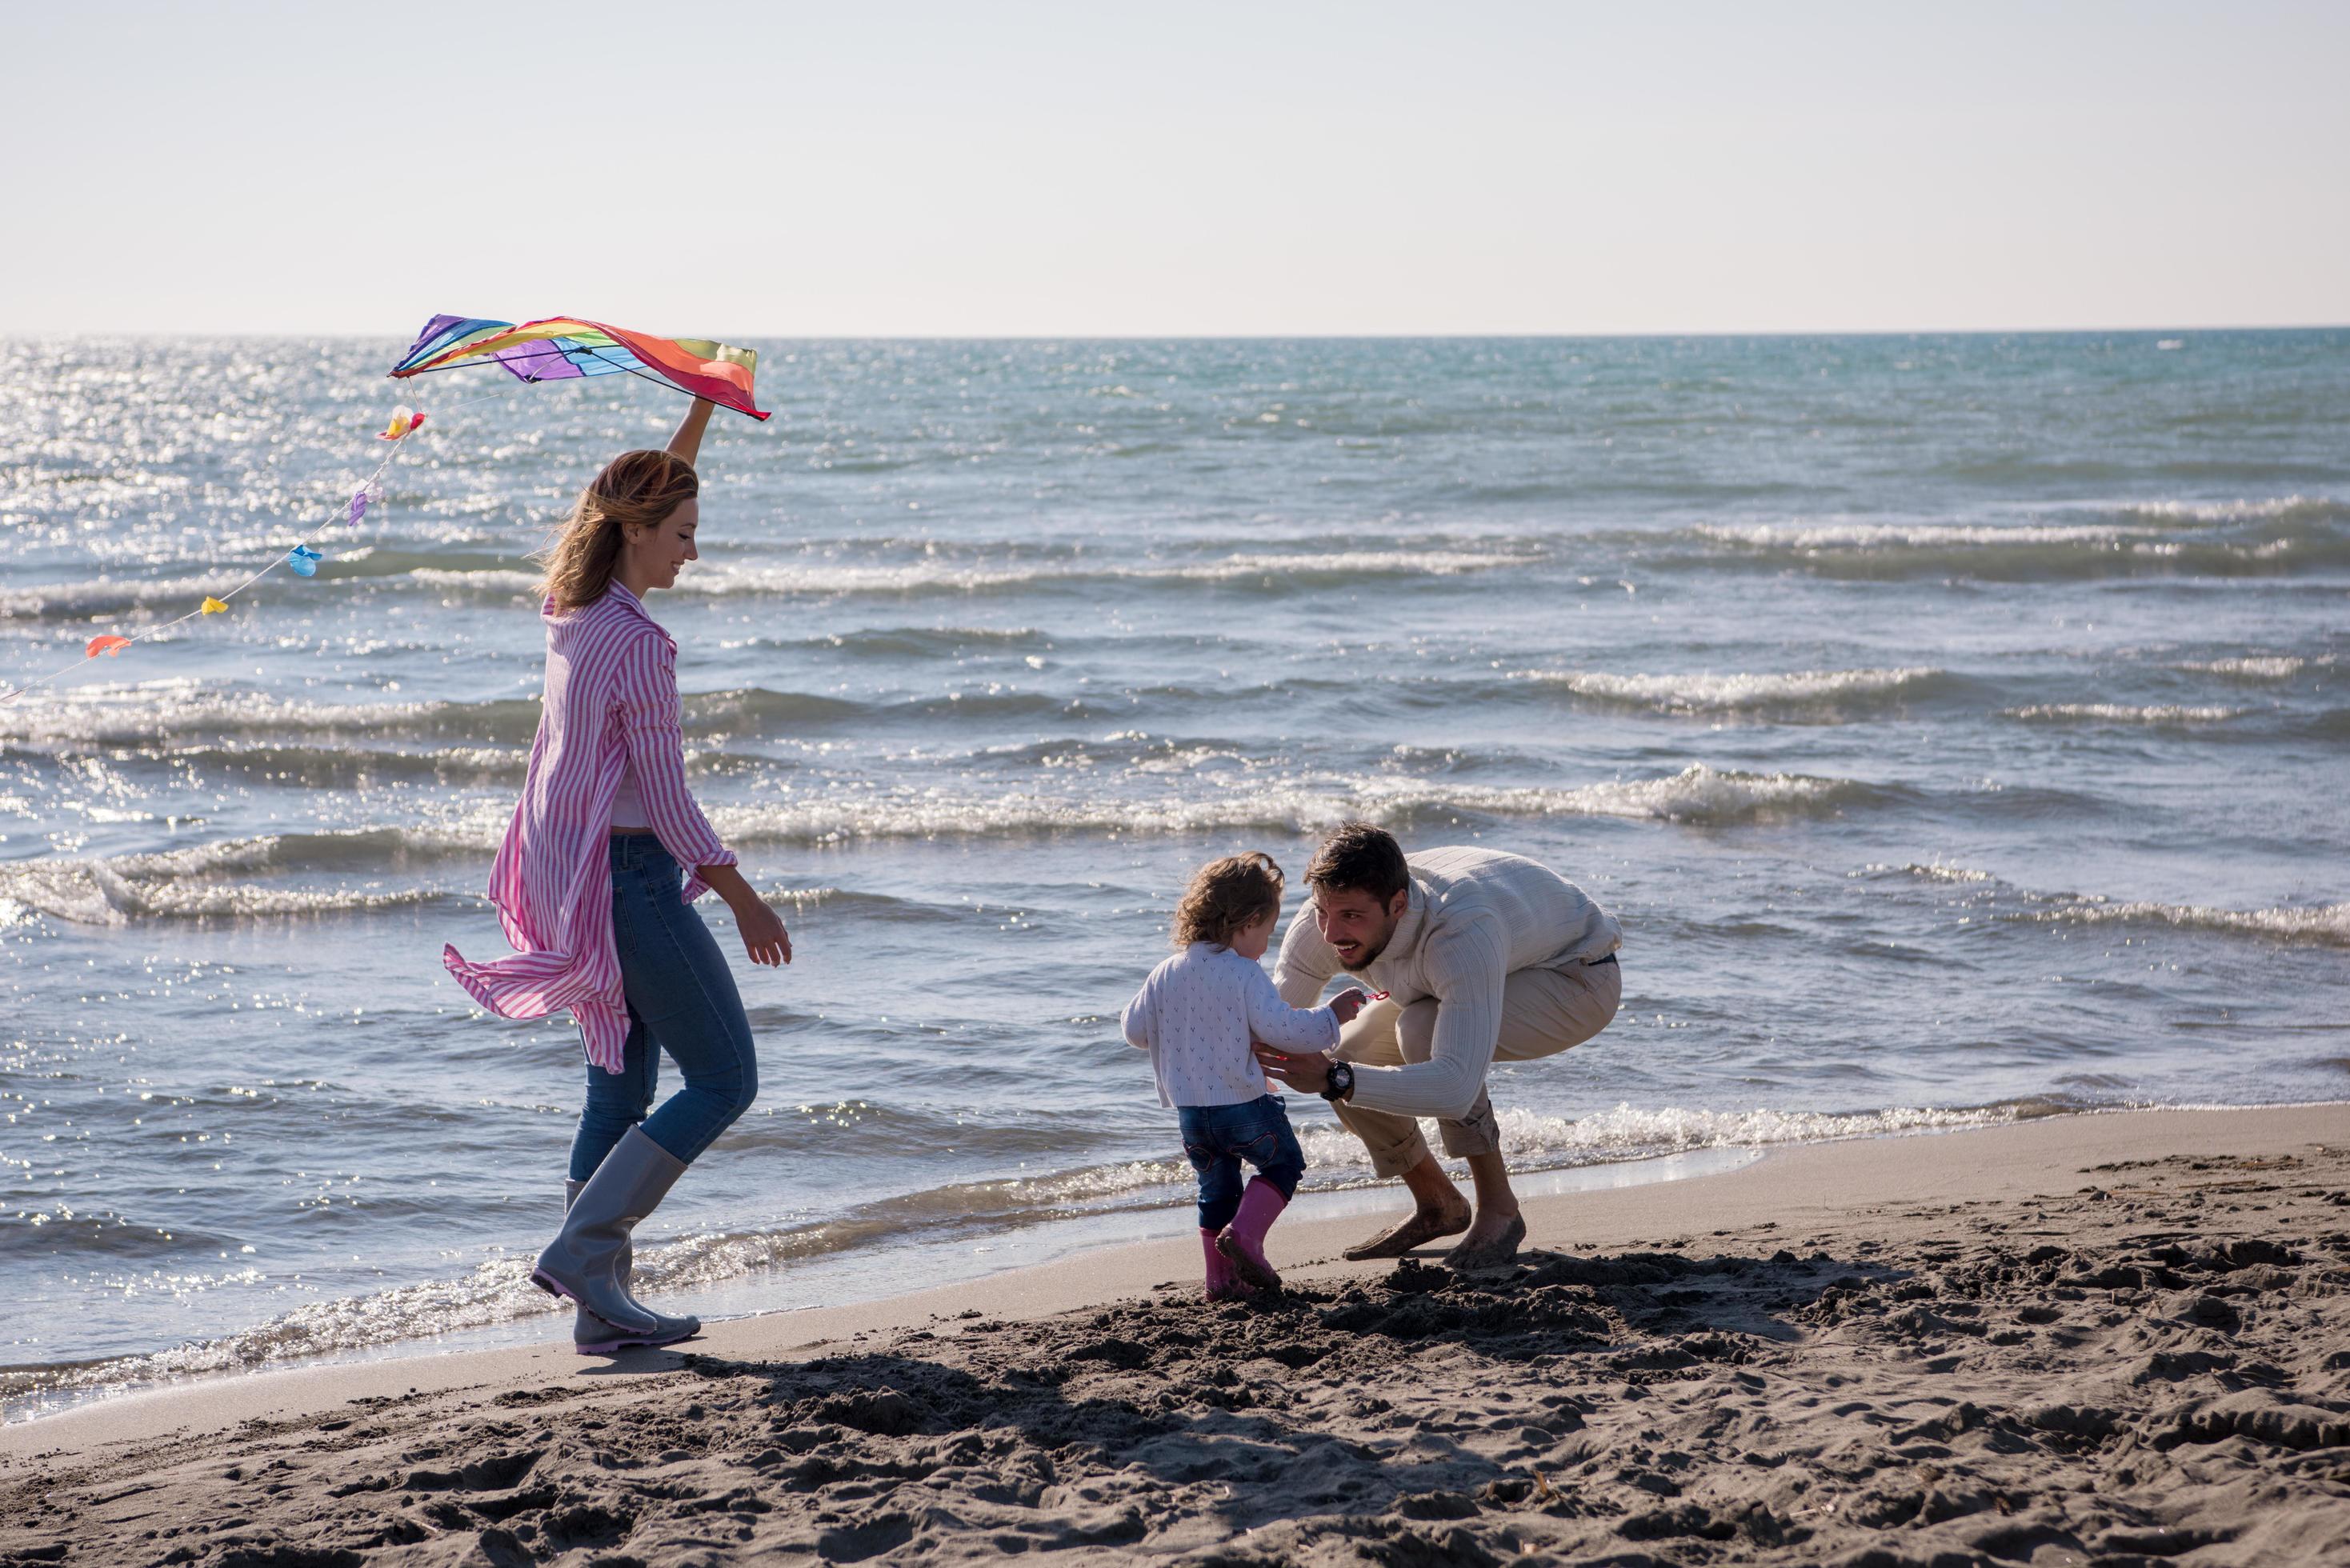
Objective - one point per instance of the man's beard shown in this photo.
(1367, 960)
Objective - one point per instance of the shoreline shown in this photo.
(2115, 1340)
(1053, 1242)
(1784, 1186)
(902, 1263)
(905, 1265)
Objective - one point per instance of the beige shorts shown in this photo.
(1544, 1012)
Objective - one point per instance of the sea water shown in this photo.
(1956, 724)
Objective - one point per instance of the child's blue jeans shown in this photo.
(1216, 1138)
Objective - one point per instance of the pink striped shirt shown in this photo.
(610, 705)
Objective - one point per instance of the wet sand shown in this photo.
(2117, 1340)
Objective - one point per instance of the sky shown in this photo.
(1110, 170)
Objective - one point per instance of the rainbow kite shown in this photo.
(562, 347)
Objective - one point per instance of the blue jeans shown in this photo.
(681, 999)
(1216, 1138)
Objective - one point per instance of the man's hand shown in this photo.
(1310, 1072)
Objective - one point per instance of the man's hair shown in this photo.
(1226, 898)
(1359, 857)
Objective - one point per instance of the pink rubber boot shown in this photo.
(1243, 1239)
(1224, 1285)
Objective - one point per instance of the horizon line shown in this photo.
(18, 336)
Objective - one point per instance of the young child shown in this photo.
(1196, 1015)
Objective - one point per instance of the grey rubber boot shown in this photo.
(592, 1336)
(582, 1263)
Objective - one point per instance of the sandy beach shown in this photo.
(2117, 1339)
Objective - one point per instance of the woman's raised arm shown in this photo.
(687, 442)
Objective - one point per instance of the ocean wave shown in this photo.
(1778, 537)
(1319, 569)
(1707, 693)
(2298, 540)
(832, 579)
(1698, 795)
(2253, 667)
(2120, 713)
(101, 595)
(215, 881)
(244, 877)
(146, 711)
(908, 641)
(491, 579)
(1629, 1132)
(848, 900)
(1935, 871)
(2275, 508)
(90, 897)
(162, 710)
(2327, 924)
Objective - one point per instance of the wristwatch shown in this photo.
(1341, 1085)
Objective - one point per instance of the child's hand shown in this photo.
(1348, 1003)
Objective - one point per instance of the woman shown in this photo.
(595, 882)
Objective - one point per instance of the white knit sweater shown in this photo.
(1476, 917)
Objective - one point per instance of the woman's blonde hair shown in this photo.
(642, 487)
(1226, 898)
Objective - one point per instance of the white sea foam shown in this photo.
(1913, 536)
(2121, 714)
(827, 578)
(944, 575)
(93, 896)
(494, 1293)
(1629, 1132)
(142, 711)
(818, 579)
(241, 878)
(1697, 794)
(2257, 667)
(211, 881)
(1735, 691)
(2240, 511)
(2322, 923)
(2153, 520)
(95, 594)
(491, 580)
(1935, 871)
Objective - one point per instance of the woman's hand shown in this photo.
(764, 937)
(1310, 1072)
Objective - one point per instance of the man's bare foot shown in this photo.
(1493, 1241)
(1423, 1225)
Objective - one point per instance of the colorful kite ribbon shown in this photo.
(301, 559)
(562, 347)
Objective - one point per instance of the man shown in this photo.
(1481, 955)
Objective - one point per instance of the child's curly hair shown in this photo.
(1226, 898)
